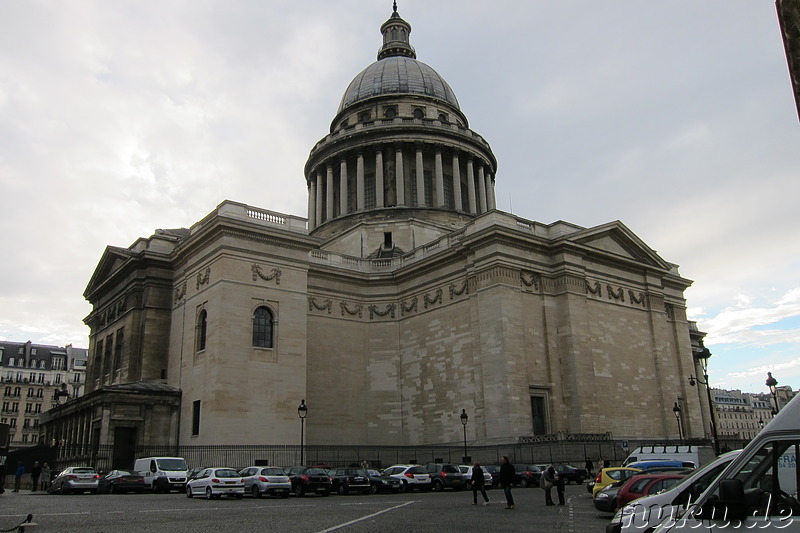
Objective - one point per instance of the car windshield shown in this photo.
(316, 472)
(226, 472)
(83, 471)
(125, 473)
(172, 464)
(417, 470)
(273, 472)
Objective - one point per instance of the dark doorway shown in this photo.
(538, 413)
(124, 448)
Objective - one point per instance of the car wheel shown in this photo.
(523, 483)
(209, 493)
(300, 491)
(438, 486)
(341, 489)
(373, 489)
(255, 492)
(188, 491)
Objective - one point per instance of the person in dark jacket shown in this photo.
(36, 471)
(478, 484)
(548, 480)
(507, 475)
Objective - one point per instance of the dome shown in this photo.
(398, 75)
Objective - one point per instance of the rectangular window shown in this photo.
(107, 354)
(195, 418)
(37, 409)
(118, 348)
(41, 377)
(58, 378)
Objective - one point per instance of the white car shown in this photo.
(270, 480)
(214, 482)
(78, 479)
(467, 471)
(412, 476)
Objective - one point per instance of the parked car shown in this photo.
(467, 471)
(75, 479)
(494, 471)
(350, 479)
(528, 475)
(571, 474)
(644, 485)
(607, 476)
(605, 499)
(662, 466)
(445, 476)
(309, 479)
(162, 474)
(269, 480)
(413, 477)
(121, 481)
(214, 482)
(382, 483)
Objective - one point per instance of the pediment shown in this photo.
(616, 239)
(112, 260)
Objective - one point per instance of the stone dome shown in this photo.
(398, 75)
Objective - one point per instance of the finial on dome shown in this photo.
(395, 37)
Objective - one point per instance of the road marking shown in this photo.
(351, 522)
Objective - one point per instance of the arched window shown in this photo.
(202, 329)
(419, 113)
(262, 327)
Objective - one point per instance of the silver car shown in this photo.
(270, 480)
(75, 479)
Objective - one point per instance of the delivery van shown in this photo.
(698, 455)
(758, 489)
(163, 474)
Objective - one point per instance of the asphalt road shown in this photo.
(407, 513)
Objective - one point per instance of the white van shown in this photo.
(698, 455)
(758, 489)
(644, 514)
(163, 474)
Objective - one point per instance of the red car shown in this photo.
(645, 484)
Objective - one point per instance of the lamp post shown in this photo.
(464, 418)
(772, 383)
(701, 356)
(302, 412)
(677, 410)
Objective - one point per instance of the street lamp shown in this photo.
(302, 412)
(701, 356)
(677, 410)
(464, 418)
(772, 383)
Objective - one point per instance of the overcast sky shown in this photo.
(677, 118)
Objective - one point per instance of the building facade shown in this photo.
(403, 298)
(35, 378)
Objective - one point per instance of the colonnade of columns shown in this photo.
(391, 186)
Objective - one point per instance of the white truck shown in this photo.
(163, 474)
(699, 455)
(757, 490)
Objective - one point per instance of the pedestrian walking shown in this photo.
(560, 483)
(478, 484)
(45, 479)
(507, 475)
(36, 471)
(18, 473)
(2, 475)
(548, 481)
(589, 467)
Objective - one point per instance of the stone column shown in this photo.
(473, 205)
(343, 188)
(420, 177)
(360, 182)
(482, 188)
(491, 201)
(457, 183)
(399, 175)
(318, 211)
(329, 194)
(439, 178)
(379, 178)
(312, 202)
